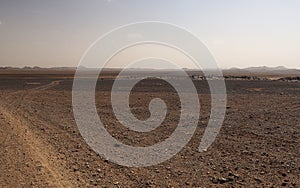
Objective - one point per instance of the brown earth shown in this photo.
(40, 145)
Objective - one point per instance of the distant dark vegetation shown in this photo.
(295, 78)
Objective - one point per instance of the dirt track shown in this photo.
(26, 160)
(258, 144)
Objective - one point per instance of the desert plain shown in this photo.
(40, 145)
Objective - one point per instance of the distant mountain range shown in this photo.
(280, 70)
(37, 68)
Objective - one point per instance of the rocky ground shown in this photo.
(258, 145)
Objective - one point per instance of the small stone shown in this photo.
(222, 180)
(116, 183)
(257, 180)
(75, 169)
(284, 184)
(214, 180)
(148, 182)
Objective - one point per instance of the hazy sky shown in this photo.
(239, 33)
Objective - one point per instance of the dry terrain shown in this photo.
(40, 145)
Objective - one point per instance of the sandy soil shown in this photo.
(40, 145)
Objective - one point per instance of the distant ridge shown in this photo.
(279, 70)
(37, 68)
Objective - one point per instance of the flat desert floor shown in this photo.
(40, 145)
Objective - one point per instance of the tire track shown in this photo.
(26, 160)
(48, 86)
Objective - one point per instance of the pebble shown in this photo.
(75, 169)
(116, 183)
(222, 180)
(258, 180)
(284, 184)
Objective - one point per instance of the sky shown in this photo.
(239, 33)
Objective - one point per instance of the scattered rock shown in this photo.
(284, 184)
(220, 180)
(258, 180)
